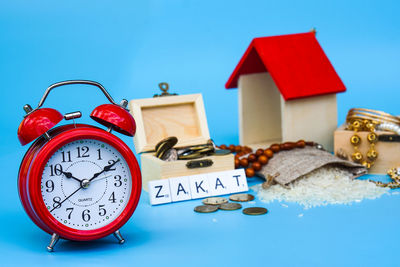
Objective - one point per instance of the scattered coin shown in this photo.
(241, 197)
(221, 152)
(170, 155)
(255, 211)
(206, 209)
(215, 201)
(230, 206)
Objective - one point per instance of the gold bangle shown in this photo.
(375, 115)
(373, 118)
(380, 116)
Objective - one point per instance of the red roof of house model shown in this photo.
(296, 62)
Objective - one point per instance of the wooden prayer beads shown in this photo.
(255, 161)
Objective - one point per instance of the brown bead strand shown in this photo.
(255, 161)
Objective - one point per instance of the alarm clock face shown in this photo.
(86, 184)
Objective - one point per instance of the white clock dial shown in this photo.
(86, 184)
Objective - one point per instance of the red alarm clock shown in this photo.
(78, 181)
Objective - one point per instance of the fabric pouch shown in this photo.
(290, 165)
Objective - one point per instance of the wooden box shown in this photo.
(181, 116)
(388, 156)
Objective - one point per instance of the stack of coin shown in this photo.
(199, 151)
(195, 152)
(164, 148)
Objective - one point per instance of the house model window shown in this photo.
(287, 91)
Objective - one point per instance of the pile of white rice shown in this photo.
(321, 187)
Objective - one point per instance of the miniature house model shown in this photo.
(287, 91)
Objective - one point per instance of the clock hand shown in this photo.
(59, 205)
(102, 178)
(84, 183)
(69, 175)
(105, 169)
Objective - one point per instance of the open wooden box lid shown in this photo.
(160, 117)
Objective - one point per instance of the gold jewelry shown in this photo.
(355, 140)
(372, 115)
(394, 175)
(362, 119)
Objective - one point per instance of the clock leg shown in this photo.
(53, 242)
(118, 236)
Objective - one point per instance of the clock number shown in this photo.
(102, 211)
(112, 197)
(99, 151)
(50, 186)
(83, 152)
(111, 162)
(68, 156)
(86, 215)
(70, 212)
(57, 202)
(118, 181)
(56, 169)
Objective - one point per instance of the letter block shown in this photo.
(219, 183)
(199, 186)
(180, 188)
(238, 181)
(159, 192)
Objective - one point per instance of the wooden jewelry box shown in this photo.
(388, 148)
(181, 116)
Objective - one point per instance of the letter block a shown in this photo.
(180, 188)
(219, 183)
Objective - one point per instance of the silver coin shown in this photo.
(206, 209)
(215, 201)
(184, 151)
(230, 206)
(241, 197)
(170, 155)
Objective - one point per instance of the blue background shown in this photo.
(131, 46)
